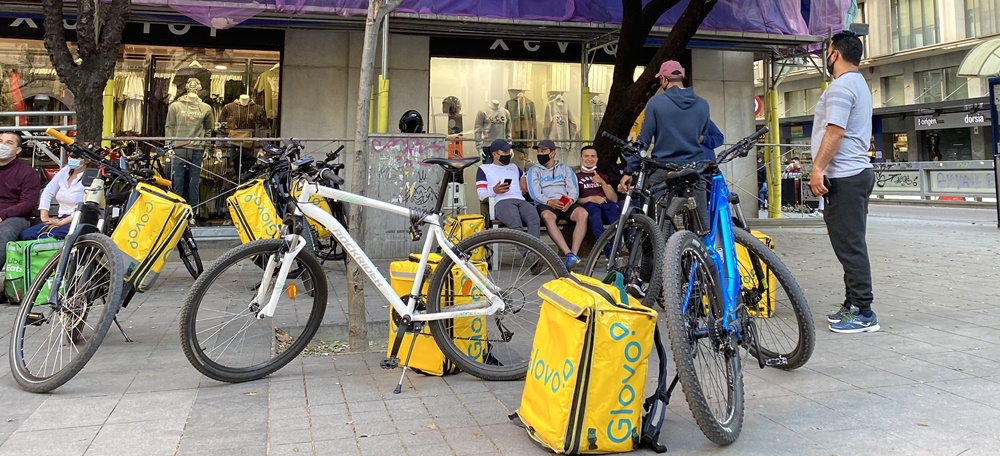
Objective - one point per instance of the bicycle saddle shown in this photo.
(272, 149)
(452, 164)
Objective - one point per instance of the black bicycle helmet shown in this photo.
(451, 105)
(411, 122)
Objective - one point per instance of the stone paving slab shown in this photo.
(928, 383)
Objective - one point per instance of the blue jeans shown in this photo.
(600, 215)
(185, 174)
(35, 232)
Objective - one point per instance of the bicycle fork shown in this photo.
(297, 244)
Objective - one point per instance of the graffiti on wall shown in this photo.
(400, 176)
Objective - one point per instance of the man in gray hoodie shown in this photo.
(554, 189)
(674, 122)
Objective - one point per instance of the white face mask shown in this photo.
(589, 170)
(6, 152)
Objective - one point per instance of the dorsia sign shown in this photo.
(953, 120)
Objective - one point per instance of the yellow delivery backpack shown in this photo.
(469, 334)
(319, 201)
(253, 212)
(148, 231)
(765, 307)
(584, 392)
(463, 226)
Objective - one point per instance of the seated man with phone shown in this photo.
(494, 180)
(554, 188)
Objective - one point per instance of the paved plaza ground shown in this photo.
(928, 383)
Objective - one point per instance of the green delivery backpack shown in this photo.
(24, 260)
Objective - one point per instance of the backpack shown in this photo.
(253, 212)
(586, 378)
(463, 226)
(149, 230)
(426, 357)
(24, 260)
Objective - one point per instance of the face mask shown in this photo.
(543, 159)
(829, 66)
(74, 163)
(6, 152)
(588, 169)
(505, 160)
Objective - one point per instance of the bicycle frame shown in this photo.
(436, 235)
(721, 246)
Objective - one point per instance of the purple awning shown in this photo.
(781, 17)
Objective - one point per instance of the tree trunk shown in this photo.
(357, 325)
(98, 53)
(627, 98)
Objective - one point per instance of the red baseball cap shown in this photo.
(670, 68)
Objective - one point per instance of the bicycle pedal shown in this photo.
(774, 362)
(35, 319)
(389, 363)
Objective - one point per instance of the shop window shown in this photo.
(942, 84)
(29, 83)
(484, 100)
(981, 18)
(913, 23)
(893, 91)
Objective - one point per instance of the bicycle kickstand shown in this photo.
(406, 362)
(119, 325)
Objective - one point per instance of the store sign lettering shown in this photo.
(535, 46)
(975, 119)
(179, 30)
(952, 120)
(926, 122)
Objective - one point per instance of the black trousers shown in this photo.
(846, 217)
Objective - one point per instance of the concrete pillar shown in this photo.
(725, 80)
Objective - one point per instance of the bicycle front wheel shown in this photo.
(51, 342)
(498, 346)
(705, 352)
(784, 330)
(187, 249)
(220, 332)
(639, 257)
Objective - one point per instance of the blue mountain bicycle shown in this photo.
(719, 297)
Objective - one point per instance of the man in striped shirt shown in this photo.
(505, 183)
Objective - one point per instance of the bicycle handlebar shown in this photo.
(329, 175)
(60, 136)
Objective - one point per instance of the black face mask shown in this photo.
(543, 159)
(829, 66)
(505, 160)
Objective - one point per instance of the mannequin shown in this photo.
(559, 124)
(193, 70)
(522, 113)
(188, 117)
(492, 122)
(453, 108)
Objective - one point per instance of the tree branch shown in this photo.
(55, 41)
(86, 28)
(114, 20)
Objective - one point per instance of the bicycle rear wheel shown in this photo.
(51, 343)
(498, 346)
(784, 329)
(187, 249)
(639, 258)
(220, 332)
(705, 352)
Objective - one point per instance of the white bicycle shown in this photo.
(239, 325)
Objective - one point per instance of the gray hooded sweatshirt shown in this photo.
(674, 120)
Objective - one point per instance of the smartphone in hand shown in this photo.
(507, 181)
(564, 200)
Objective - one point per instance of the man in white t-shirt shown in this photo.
(505, 183)
(842, 175)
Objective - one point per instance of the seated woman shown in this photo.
(67, 189)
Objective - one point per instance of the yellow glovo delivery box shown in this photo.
(148, 231)
(253, 212)
(585, 387)
(468, 332)
(763, 308)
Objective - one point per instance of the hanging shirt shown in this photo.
(240, 117)
(268, 83)
(560, 125)
(522, 121)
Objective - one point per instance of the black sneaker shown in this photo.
(858, 324)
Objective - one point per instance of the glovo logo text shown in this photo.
(474, 349)
(136, 229)
(553, 377)
(264, 217)
(620, 425)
